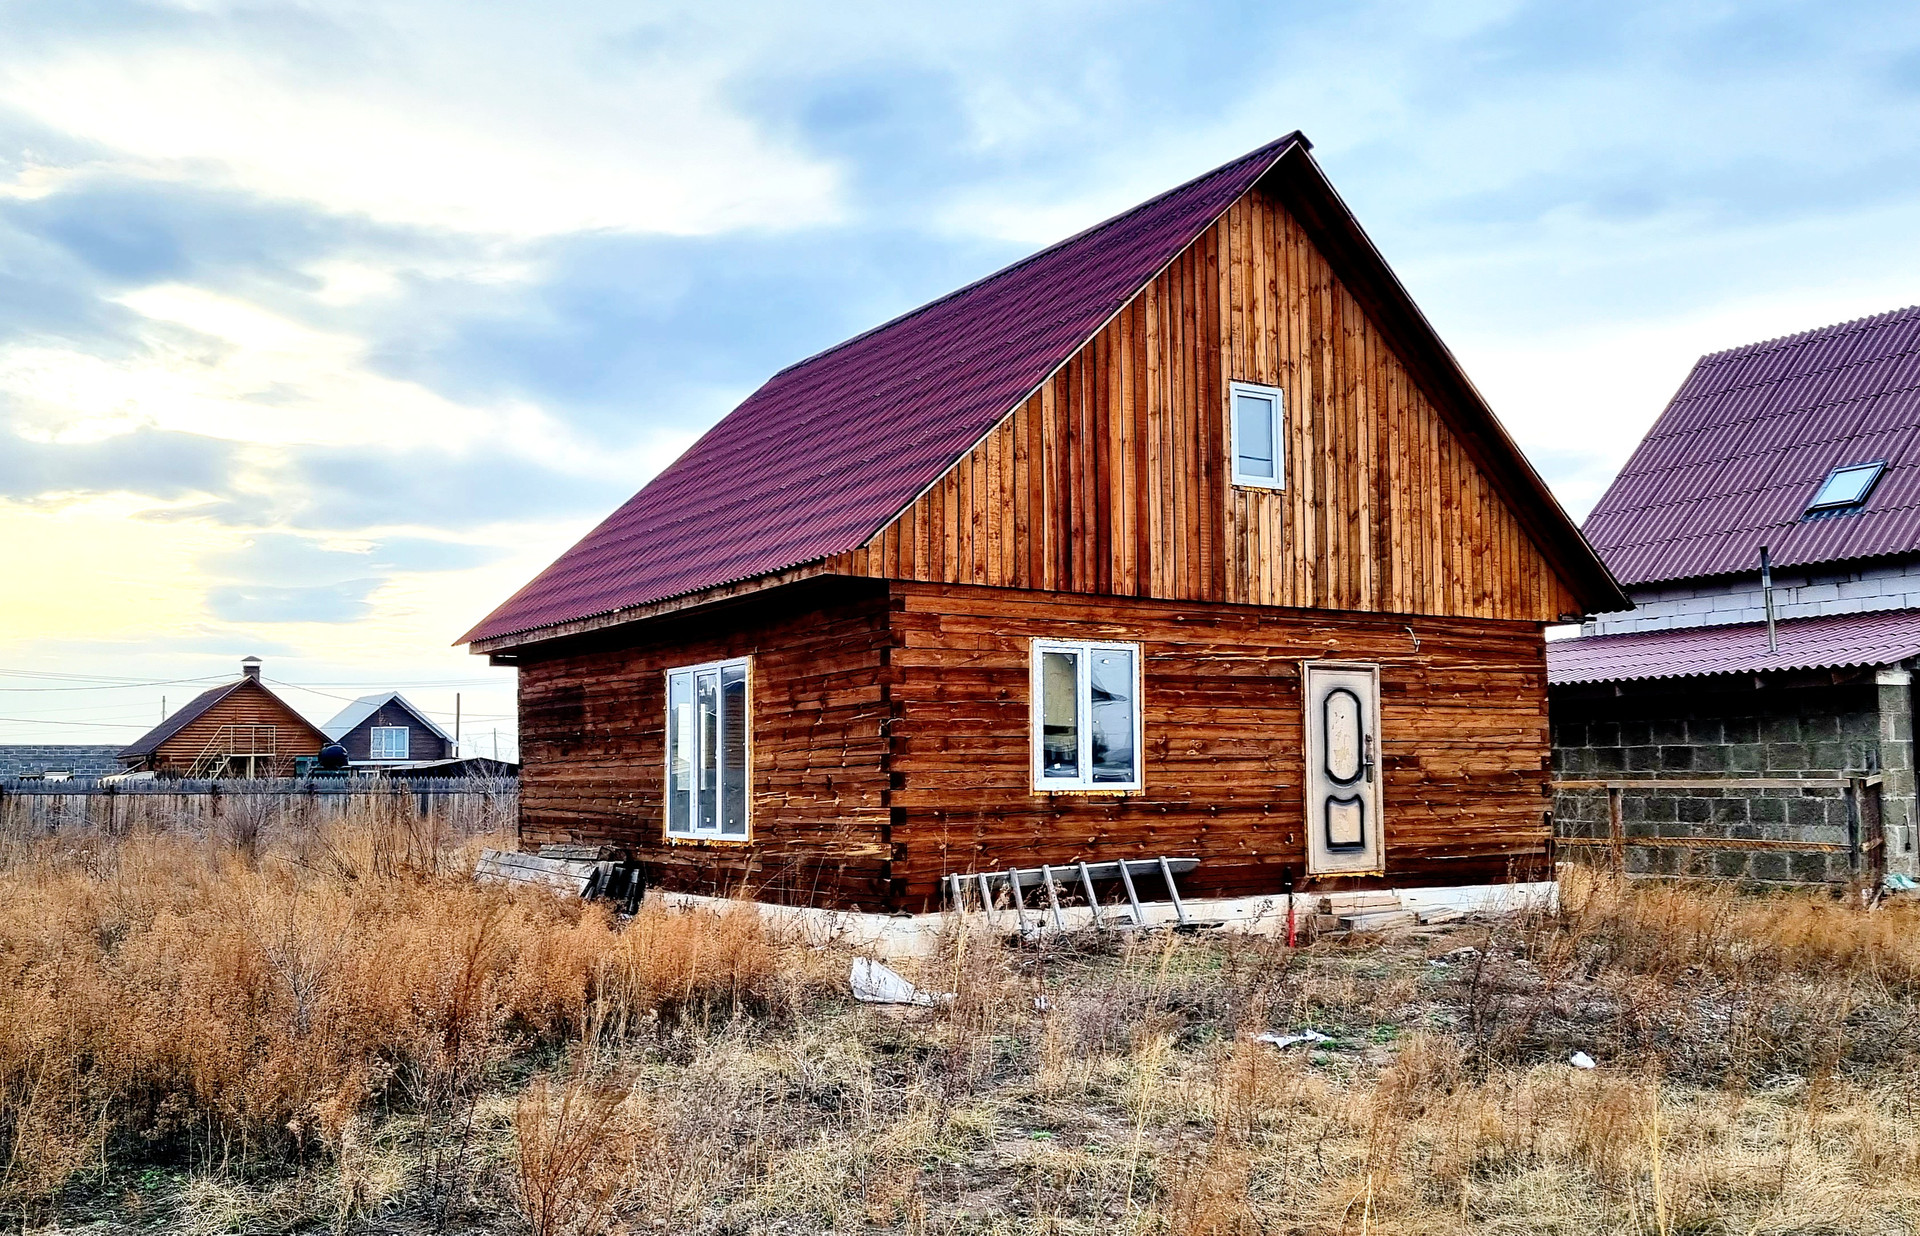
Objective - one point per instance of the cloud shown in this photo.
(410, 118)
(153, 463)
(342, 602)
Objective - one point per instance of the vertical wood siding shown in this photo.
(1463, 740)
(593, 734)
(1114, 477)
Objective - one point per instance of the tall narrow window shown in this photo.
(707, 750)
(1086, 716)
(1259, 435)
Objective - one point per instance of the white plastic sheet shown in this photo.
(874, 983)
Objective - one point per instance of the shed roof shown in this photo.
(1832, 641)
(1737, 455)
(831, 449)
(349, 718)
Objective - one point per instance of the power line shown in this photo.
(112, 725)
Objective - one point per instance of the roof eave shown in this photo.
(1298, 180)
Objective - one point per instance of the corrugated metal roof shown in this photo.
(181, 717)
(347, 719)
(1830, 642)
(830, 449)
(1732, 462)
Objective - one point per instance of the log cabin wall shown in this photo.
(249, 704)
(1113, 478)
(1464, 740)
(593, 735)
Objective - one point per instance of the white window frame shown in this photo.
(1278, 400)
(1084, 700)
(375, 747)
(693, 831)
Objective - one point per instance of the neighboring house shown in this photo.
(241, 729)
(386, 729)
(1185, 536)
(1808, 446)
(42, 759)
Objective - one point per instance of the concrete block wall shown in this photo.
(80, 760)
(1696, 730)
(1796, 594)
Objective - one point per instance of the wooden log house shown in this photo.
(1185, 536)
(237, 729)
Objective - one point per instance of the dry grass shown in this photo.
(338, 1031)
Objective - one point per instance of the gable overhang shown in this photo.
(1298, 183)
(1294, 177)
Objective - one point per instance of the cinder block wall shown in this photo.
(80, 760)
(1745, 727)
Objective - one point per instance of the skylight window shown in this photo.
(1846, 486)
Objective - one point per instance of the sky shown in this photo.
(324, 327)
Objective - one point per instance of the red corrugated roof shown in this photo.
(1732, 462)
(829, 450)
(1882, 638)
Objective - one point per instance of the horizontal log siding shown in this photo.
(592, 727)
(250, 704)
(1463, 731)
(1114, 477)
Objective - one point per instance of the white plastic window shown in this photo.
(707, 750)
(388, 742)
(1259, 435)
(1086, 716)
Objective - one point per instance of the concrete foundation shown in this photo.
(889, 936)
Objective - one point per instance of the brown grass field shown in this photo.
(340, 1032)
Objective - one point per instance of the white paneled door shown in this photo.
(1343, 768)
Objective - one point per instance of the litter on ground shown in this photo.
(874, 983)
(1580, 1060)
(1288, 1040)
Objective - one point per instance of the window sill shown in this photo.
(1264, 486)
(1054, 791)
(684, 839)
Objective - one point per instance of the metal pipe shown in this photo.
(1766, 594)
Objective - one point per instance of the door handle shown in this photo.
(1366, 763)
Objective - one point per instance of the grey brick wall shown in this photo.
(81, 761)
(1702, 729)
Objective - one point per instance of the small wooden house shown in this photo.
(240, 729)
(1185, 536)
(386, 729)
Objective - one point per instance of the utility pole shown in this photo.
(163, 708)
(496, 742)
(456, 725)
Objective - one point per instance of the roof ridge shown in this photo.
(1274, 148)
(1884, 318)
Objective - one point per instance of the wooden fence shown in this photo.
(1865, 846)
(471, 805)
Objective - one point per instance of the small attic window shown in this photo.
(1846, 486)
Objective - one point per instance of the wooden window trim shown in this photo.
(1279, 397)
(1036, 721)
(716, 837)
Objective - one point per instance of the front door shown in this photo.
(1343, 768)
